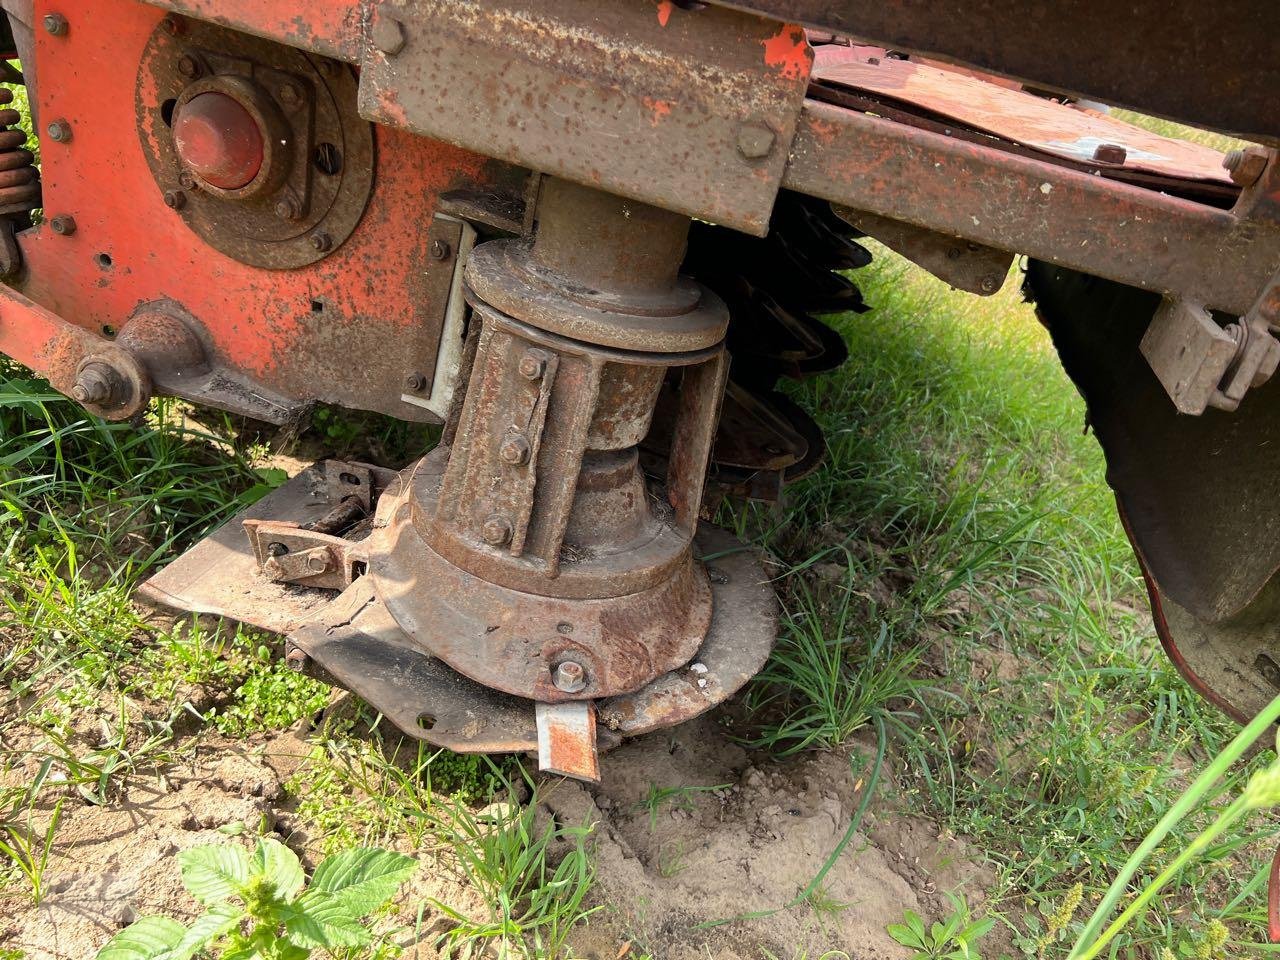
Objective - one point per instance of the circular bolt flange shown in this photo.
(55, 24)
(496, 530)
(416, 382)
(532, 366)
(514, 450)
(97, 384)
(388, 34)
(60, 131)
(570, 677)
(175, 199)
(63, 225)
(439, 250)
(321, 242)
(755, 141)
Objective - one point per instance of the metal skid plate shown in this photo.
(353, 637)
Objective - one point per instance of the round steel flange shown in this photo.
(306, 194)
(517, 642)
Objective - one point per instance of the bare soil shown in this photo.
(749, 846)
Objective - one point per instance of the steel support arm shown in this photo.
(1098, 226)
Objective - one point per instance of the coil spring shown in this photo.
(19, 178)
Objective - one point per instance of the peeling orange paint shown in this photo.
(660, 109)
(664, 11)
(788, 52)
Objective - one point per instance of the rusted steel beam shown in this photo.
(1210, 66)
(1125, 233)
(333, 28)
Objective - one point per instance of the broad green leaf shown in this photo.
(320, 920)
(277, 863)
(148, 938)
(214, 874)
(219, 921)
(363, 879)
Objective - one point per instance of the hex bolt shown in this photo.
(1110, 153)
(321, 241)
(63, 225)
(287, 209)
(276, 549)
(188, 66)
(532, 366)
(416, 382)
(60, 131)
(992, 282)
(288, 95)
(755, 141)
(187, 179)
(496, 530)
(515, 450)
(1245, 166)
(96, 383)
(570, 677)
(175, 199)
(55, 24)
(439, 250)
(388, 34)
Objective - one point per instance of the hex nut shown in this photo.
(515, 450)
(496, 530)
(56, 24)
(188, 66)
(755, 141)
(60, 131)
(415, 382)
(1245, 166)
(286, 208)
(532, 366)
(63, 224)
(569, 676)
(1112, 153)
(439, 250)
(321, 242)
(175, 199)
(97, 384)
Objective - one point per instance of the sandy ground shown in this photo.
(751, 846)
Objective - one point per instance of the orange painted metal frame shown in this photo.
(336, 331)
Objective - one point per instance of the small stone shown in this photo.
(698, 667)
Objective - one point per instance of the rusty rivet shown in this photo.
(515, 450)
(416, 382)
(321, 241)
(96, 383)
(188, 66)
(63, 224)
(388, 34)
(55, 24)
(287, 209)
(187, 179)
(496, 530)
(570, 677)
(60, 131)
(277, 549)
(755, 140)
(532, 366)
(1245, 166)
(175, 199)
(439, 250)
(1110, 153)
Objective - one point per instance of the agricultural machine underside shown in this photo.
(589, 240)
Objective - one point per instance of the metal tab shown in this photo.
(567, 740)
